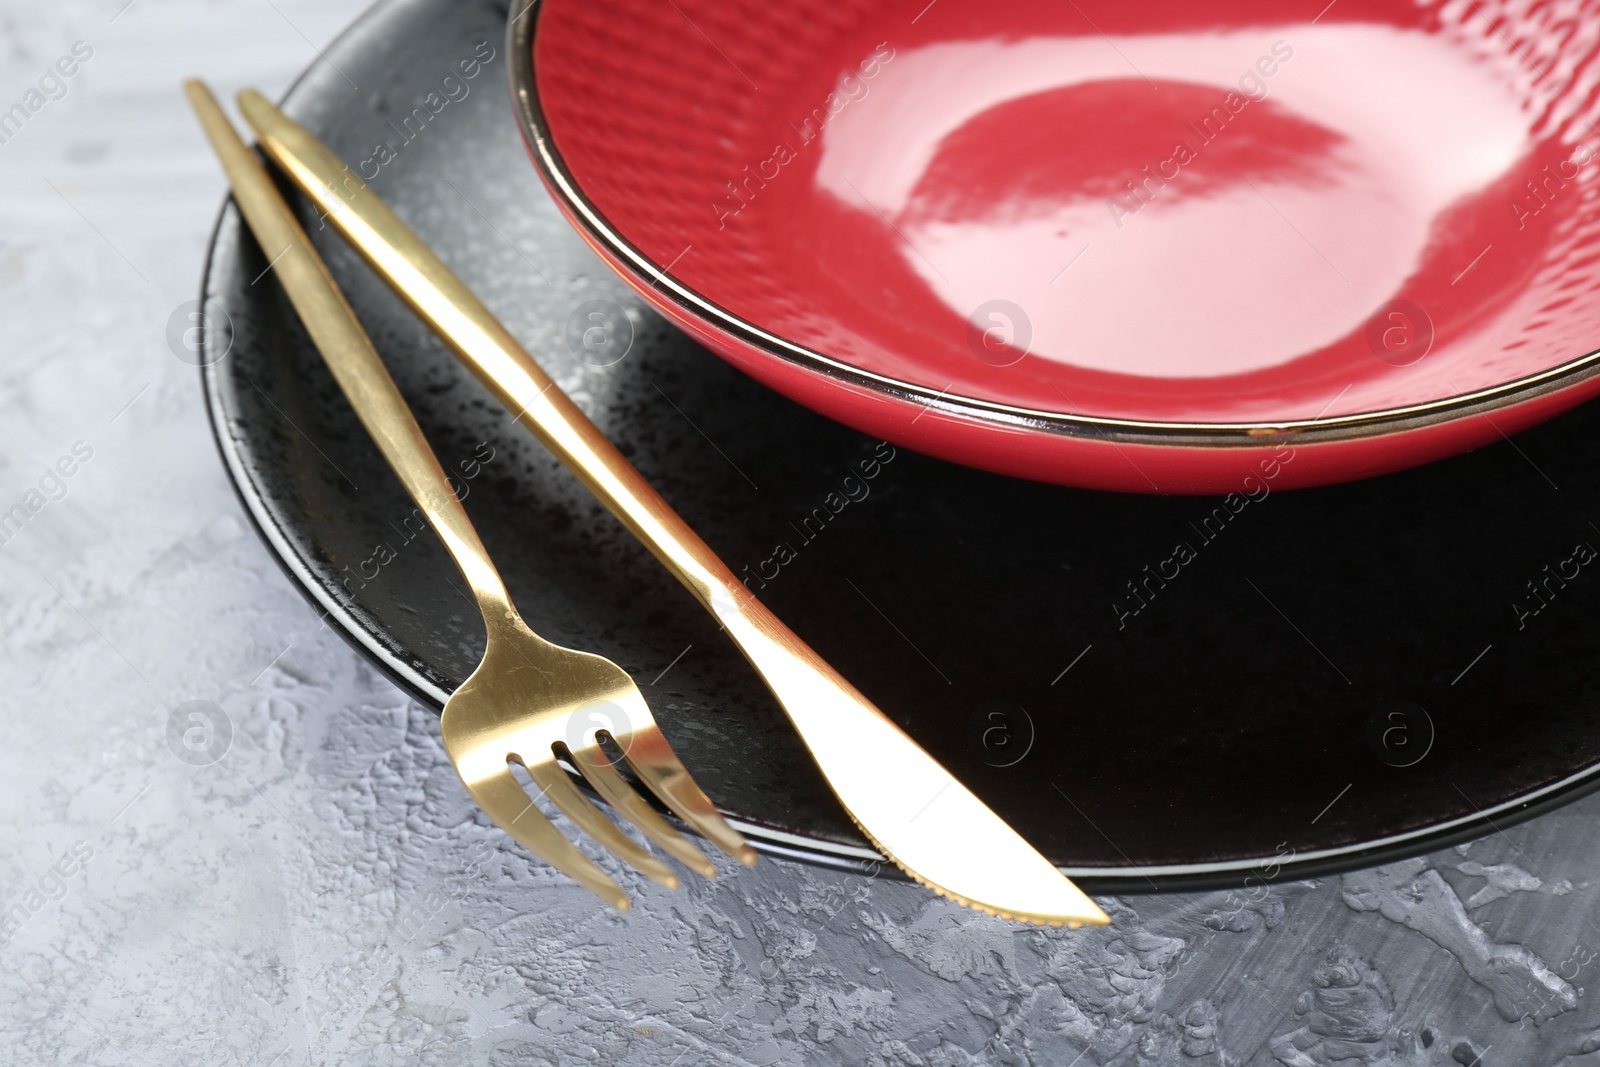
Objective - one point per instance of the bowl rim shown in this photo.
(645, 274)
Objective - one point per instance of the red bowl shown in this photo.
(1158, 247)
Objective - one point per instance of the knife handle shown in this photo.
(432, 290)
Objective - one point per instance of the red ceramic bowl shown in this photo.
(1168, 246)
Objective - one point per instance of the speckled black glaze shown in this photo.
(1194, 744)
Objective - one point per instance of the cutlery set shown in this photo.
(534, 705)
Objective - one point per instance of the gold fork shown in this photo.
(914, 810)
(529, 701)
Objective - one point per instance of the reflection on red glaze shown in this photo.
(1192, 212)
(1130, 146)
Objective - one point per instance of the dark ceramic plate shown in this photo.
(1157, 692)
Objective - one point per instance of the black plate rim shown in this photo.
(1130, 879)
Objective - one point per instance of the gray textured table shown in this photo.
(324, 893)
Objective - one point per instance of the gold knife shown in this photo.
(910, 807)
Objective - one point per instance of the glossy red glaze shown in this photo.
(981, 231)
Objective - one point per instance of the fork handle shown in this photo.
(344, 345)
(479, 340)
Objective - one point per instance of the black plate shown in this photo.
(1336, 676)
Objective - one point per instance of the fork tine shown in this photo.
(652, 758)
(510, 807)
(602, 774)
(559, 788)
